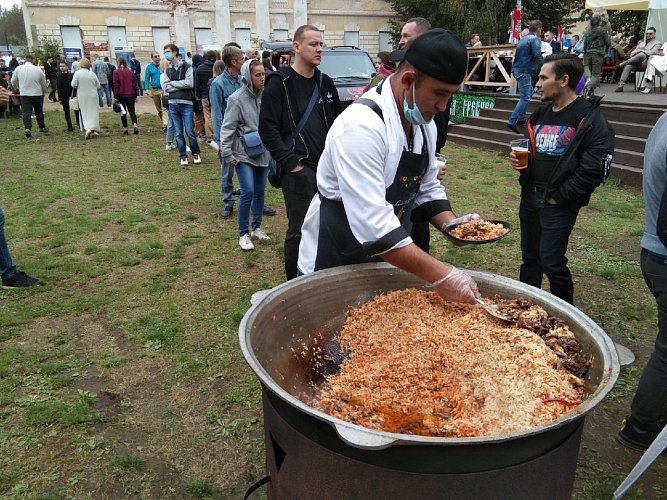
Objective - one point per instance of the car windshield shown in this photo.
(346, 64)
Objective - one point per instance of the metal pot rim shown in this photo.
(363, 437)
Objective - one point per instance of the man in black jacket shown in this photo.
(203, 78)
(286, 96)
(51, 75)
(136, 69)
(571, 147)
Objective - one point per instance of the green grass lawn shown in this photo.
(122, 376)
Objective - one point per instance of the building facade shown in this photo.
(96, 27)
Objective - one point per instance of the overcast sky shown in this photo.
(7, 4)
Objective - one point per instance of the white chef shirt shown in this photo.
(358, 164)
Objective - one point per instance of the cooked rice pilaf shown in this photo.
(418, 365)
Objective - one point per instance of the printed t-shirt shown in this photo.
(553, 134)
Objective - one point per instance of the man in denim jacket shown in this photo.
(527, 61)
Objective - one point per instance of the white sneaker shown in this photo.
(184, 161)
(196, 159)
(169, 147)
(245, 243)
(187, 148)
(259, 234)
(213, 144)
(647, 90)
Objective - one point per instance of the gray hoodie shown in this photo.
(241, 117)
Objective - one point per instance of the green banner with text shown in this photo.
(464, 105)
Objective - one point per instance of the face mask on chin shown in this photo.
(413, 115)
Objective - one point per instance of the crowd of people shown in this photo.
(355, 183)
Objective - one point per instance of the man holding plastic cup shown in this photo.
(570, 147)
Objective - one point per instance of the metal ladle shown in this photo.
(492, 309)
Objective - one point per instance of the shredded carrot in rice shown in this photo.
(418, 365)
(478, 230)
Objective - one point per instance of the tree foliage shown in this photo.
(489, 18)
(12, 28)
(47, 47)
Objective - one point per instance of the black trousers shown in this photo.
(128, 104)
(52, 94)
(650, 401)
(28, 103)
(68, 118)
(298, 190)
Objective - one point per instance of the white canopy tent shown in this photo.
(657, 11)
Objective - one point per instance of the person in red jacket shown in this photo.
(125, 92)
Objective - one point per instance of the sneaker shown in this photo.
(20, 280)
(647, 90)
(260, 235)
(513, 128)
(196, 159)
(169, 147)
(269, 211)
(213, 144)
(187, 149)
(619, 89)
(44, 130)
(28, 133)
(245, 243)
(633, 436)
(184, 161)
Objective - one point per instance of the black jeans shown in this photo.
(298, 190)
(545, 232)
(53, 84)
(649, 406)
(28, 103)
(68, 118)
(128, 104)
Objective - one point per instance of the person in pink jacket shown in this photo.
(125, 92)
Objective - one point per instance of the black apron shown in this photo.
(336, 245)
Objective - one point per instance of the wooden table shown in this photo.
(484, 55)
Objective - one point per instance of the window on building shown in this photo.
(352, 38)
(385, 42)
(243, 37)
(117, 38)
(203, 36)
(280, 35)
(71, 36)
(161, 37)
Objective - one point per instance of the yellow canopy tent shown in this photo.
(657, 11)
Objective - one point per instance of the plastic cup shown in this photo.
(520, 148)
(441, 163)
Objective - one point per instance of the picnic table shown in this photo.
(500, 55)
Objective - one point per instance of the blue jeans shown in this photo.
(252, 181)
(7, 267)
(183, 120)
(545, 233)
(104, 91)
(227, 182)
(650, 400)
(170, 128)
(525, 83)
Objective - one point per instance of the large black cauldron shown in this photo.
(311, 455)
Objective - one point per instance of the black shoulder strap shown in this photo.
(371, 104)
(306, 114)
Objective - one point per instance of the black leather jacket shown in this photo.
(585, 163)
